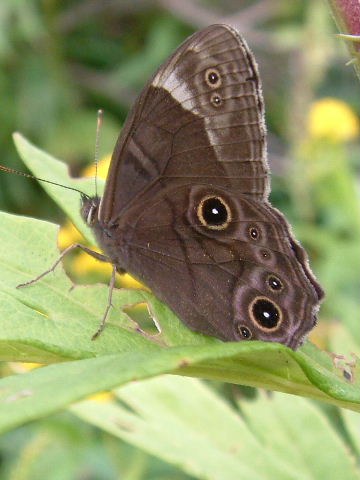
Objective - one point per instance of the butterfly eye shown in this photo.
(275, 283)
(265, 313)
(245, 332)
(213, 78)
(88, 212)
(214, 213)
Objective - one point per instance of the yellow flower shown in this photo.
(68, 234)
(22, 367)
(102, 168)
(101, 397)
(333, 119)
(129, 282)
(85, 263)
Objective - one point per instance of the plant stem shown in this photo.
(347, 18)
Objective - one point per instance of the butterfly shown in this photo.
(185, 207)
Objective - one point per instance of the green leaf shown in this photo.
(352, 423)
(49, 168)
(277, 438)
(53, 320)
(48, 389)
(301, 434)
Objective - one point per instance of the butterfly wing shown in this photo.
(221, 282)
(199, 117)
(185, 205)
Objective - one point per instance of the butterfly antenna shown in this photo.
(27, 175)
(97, 142)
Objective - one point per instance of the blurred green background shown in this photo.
(62, 60)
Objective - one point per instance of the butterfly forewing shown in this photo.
(199, 117)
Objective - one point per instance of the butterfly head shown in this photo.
(89, 209)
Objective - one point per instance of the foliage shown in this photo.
(60, 61)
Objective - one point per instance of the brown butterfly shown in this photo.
(186, 209)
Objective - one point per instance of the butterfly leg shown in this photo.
(94, 254)
(109, 304)
(98, 256)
